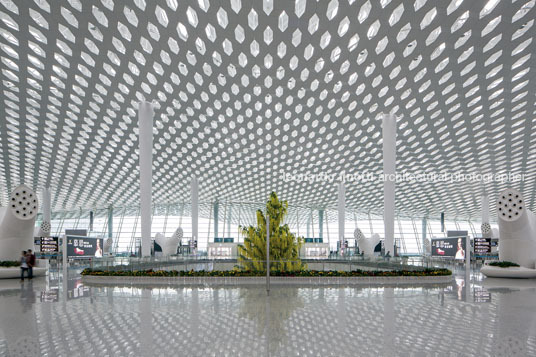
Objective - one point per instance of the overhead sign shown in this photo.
(449, 247)
(84, 247)
(76, 232)
(451, 234)
(482, 246)
(49, 244)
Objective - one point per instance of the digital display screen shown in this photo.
(49, 244)
(84, 247)
(482, 246)
(449, 247)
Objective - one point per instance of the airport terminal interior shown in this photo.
(267, 178)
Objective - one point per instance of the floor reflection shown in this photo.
(270, 313)
(27, 295)
(472, 316)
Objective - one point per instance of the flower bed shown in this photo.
(9, 263)
(251, 273)
(503, 264)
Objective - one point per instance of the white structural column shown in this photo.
(145, 122)
(517, 229)
(341, 204)
(389, 170)
(44, 230)
(17, 222)
(194, 190)
(485, 208)
(46, 204)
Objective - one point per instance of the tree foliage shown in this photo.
(284, 245)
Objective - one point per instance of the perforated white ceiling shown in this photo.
(250, 90)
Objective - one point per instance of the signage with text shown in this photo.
(84, 247)
(49, 244)
(449, 247)
(482, 246)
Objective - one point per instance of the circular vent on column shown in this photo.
(23, 202)
(510, 205)
(45, 227)
(358, 234)
(486, 229)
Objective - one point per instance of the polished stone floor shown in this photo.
(482, 318)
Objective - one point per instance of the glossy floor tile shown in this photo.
(484, 318)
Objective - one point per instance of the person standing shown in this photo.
(31, 263)
(23, 265)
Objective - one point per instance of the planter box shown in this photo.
(509, 273)
(14, 272)
(261, 280)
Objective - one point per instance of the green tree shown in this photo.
(284, 245)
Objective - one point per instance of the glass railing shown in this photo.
(198, 263)
(203, 263)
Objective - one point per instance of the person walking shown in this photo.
(23, 265)
(31, 263)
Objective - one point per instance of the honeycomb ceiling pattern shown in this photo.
(246, 91)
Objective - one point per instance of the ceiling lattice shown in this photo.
(250, 90)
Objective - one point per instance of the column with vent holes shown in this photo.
(44, 229)
(145, 122)
(485, 228)
(17, 223)
(517, 229)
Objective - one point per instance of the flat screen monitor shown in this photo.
(449, 247)
(482, 246)
(49, 244)
(84, 247)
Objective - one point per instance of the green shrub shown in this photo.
(9, 263)
(254, 273)
(503, 264)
